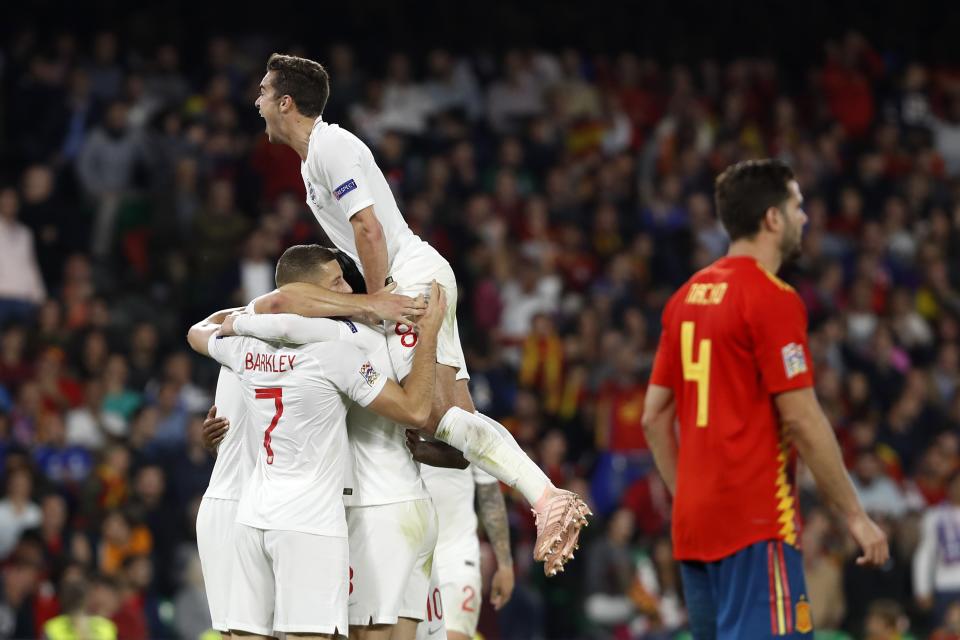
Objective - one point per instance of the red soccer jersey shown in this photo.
(733, 336)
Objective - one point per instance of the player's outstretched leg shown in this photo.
(559, 514)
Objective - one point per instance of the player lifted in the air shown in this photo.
(352, 201)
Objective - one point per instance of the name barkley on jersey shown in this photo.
(269, 362)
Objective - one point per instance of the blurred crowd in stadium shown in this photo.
(572, 194)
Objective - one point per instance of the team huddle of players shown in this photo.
(318, 522)
(318, 518)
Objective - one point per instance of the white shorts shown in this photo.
(215, 521)
(413, 277)
(288, 581)
(455, 598)
(391, 555)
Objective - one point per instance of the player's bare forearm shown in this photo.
(429, 451)
(311, 301)
(810, 432)
(493, 515)
(371, 247)
(199, 334)
(419, 384)
(806, 426)
(217, 317)
(659, 416)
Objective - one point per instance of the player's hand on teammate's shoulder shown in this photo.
(436, 308)
(871, 538)
(214, 429)
(226, 327)
(392, 307)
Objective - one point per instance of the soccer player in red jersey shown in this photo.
(734, 370)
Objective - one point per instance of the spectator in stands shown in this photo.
(64, 463)
(21, 285)
(878, 493)
(107, 167)
(610, 574)
(823, 572)
(17, 510)
(89, 425)
(79, 618)
(121, 538)
(886, 621)
(936, 581)
(19, 582)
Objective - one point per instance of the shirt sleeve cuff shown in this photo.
(212, 346)
(373, 391)
(800, 382)
(359, 206)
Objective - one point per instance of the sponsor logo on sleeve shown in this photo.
(344, 189)
(353, 327)
(369, 374)
(794, 360)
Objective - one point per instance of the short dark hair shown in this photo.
(300, 261)
(744, 192)
(306, 81)
(73, 596)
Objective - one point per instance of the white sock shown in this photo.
(503, 431)
(481, 444)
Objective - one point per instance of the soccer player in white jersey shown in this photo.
(388, 503)
(218, 508)
(457, 557)
(352, 201)
(291, 558)
(391, 519)
(236, 449)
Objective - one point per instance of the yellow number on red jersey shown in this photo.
(696, 371)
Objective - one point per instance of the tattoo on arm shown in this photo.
(493, 516)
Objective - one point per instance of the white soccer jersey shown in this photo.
(235, 455)
(383, 471)
(297, 397)
(341, 178)
(453, 494)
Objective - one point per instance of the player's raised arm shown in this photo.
(371, 247)
(411, 403)
(811, 433)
